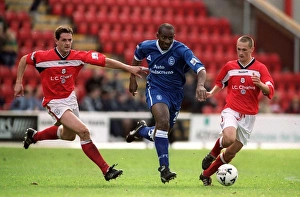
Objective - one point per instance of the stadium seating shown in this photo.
(120, 25)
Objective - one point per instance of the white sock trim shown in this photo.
(85, 142)
(222, 157)
(220, 142)
(161, 134)
(59, 129)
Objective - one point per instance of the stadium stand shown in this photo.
(119, 25)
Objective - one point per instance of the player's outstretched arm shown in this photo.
(215, 90)
(18, 89)
(135, 70)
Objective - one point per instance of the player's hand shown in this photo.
(201, 93)
(18, 90)
(256, 80)
(208, 94)
(139, 71)
(133, 86)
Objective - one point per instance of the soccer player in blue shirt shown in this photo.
(168, 61)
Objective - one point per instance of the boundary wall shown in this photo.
(271, 131)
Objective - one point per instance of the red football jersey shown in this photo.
(242, 94)
(58, 73)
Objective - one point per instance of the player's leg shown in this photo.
(72, 124)
(223, 158)
(141, 131)
(213, 154)
(228, 125)
(161, 115)
(50, 133)
(32, 136)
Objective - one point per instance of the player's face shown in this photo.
(165, 38)
(244, 52)
(64, 43)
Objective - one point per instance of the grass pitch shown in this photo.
(44, 172)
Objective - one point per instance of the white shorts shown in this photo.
(243, 123)
(57, 107)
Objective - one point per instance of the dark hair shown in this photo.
(62, 29)
(248, 39)
(167, 26)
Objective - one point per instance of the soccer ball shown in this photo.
(227, 174)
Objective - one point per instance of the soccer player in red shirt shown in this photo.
(58, 68)
(244, 78)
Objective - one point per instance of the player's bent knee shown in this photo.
(227, 141)
(84, 133)
(71, 138)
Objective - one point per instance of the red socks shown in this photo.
(214, 166)
(47, 134)
(88, 147)
(93, 153)
(217, 148)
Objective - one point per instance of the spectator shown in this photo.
(92, 100)
(265, 106)
(275, 104)
(34, 6)
(95, 80)
(28, 102)
(8, 45)
(2, 102)
(294, 107)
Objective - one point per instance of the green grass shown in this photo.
(57, 172)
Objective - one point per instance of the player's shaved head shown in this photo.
(165, 26)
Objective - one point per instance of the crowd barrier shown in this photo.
(270, 130)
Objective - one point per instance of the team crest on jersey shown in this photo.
(63, 71)
(194, 61)
(243, 91)
(149, 58)
(159, 97)
(243, 80)
(56, 112)
(95, 55)
(171, 61)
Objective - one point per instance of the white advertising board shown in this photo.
(98, 124)
(268, 128)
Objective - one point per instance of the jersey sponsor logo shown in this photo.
(62, 78)
(171, 61)
(158, 67)
(162, 72)
(159, 70)
(63, 62)
(55, 63)
(242, 87)
(194, 61)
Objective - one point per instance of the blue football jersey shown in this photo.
(167, 68)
